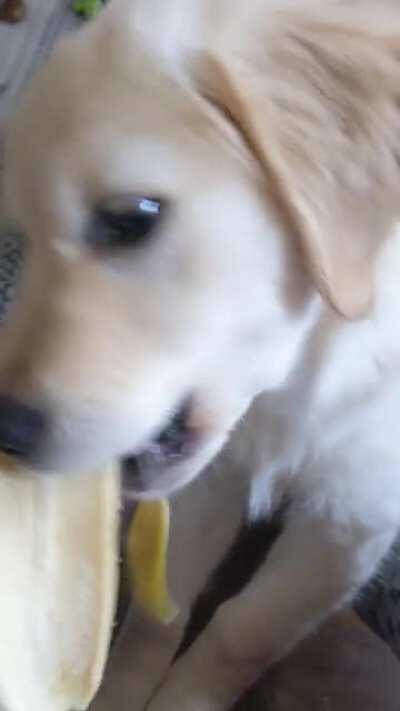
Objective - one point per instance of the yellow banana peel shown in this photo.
(147, 548)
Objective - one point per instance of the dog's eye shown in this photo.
(125, 221)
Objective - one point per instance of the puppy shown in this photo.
(212, 201)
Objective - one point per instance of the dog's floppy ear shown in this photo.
(316, 97)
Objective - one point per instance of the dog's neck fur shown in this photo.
(339, 368)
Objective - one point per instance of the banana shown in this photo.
(147, 547)
(58, 554)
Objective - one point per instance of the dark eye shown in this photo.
(125, 221)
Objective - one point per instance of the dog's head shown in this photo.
(191, 184)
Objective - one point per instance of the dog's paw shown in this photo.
(126, 691)
(167, 701)
(183, 690)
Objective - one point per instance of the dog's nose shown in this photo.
(21, 427)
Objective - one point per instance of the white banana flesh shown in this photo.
(58, 587)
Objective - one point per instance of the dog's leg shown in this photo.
(203, 524)
(139, 662)
(314, 568)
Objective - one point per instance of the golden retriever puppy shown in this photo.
(211, 193)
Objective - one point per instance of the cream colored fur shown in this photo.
(271, 296)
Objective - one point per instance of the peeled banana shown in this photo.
(59, 542)
(58, 554)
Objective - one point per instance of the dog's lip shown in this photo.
(173, 443)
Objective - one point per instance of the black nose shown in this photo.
(21, 427)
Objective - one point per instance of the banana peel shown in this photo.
(147, 548)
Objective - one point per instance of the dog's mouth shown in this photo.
(170, 446)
